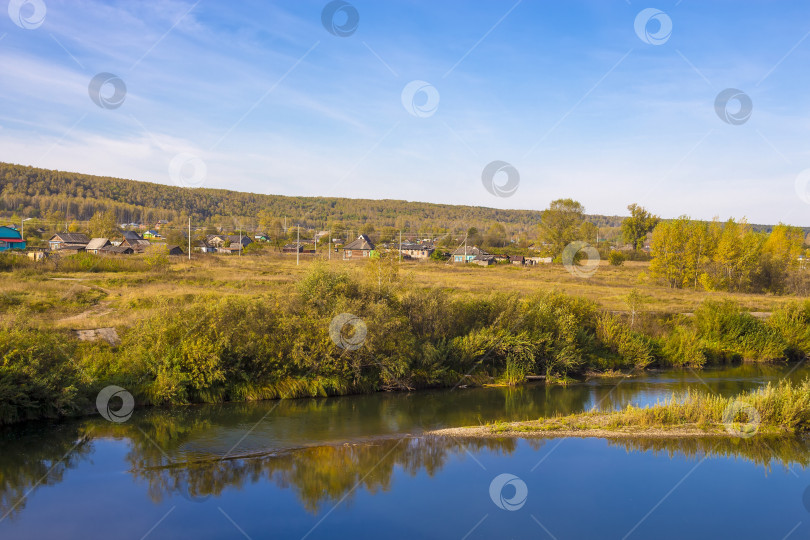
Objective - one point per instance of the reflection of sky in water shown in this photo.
(435, 488)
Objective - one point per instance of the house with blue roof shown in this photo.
(10, 239)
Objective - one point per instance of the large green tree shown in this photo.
(102, 225)
(560, 224)
(636, 227)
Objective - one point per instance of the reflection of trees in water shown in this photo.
(36, 455)
(762, 451)
(319, 474)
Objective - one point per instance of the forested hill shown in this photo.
(48, 194)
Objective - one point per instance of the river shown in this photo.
(361, 467)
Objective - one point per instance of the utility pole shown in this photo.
(400, 246)
(465, 248)
(298, 245)
(189, 238)
(240, 241)
(329, 256)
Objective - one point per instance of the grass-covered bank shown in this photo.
(783, 409)
(275, 342)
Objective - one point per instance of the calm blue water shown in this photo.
(360, 468)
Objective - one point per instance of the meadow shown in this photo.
(228, 328)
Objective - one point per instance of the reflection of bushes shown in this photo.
(321, 474)
(34, 457)
(785, 451)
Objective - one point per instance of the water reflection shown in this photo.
(32, 458)
(319, 475)
(322, 448)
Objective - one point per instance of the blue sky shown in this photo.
(269, 101)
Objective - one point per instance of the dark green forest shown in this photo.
(59, 196)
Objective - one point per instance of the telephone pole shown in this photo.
(400, 246)
(298, 245)
(189, 238)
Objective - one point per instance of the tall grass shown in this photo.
(784, 406)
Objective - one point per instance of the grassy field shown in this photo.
(84, 300)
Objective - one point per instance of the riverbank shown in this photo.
(337, 332)
(783, 409)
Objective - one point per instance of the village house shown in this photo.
(175, 250)
(417, 251)
(517, 259)
(135, 241)
(483, 260)
(116, 250)
(152, 234)
(160, 224)
(68, 241)
(362, 247)
(467, 254)
(96, 245)
(219, 241)
(202, 247)
(292, 248)
(11, 239)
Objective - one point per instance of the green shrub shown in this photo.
(616, 258)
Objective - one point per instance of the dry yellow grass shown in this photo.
(92, 300)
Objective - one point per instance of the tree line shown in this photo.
(60, 198)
